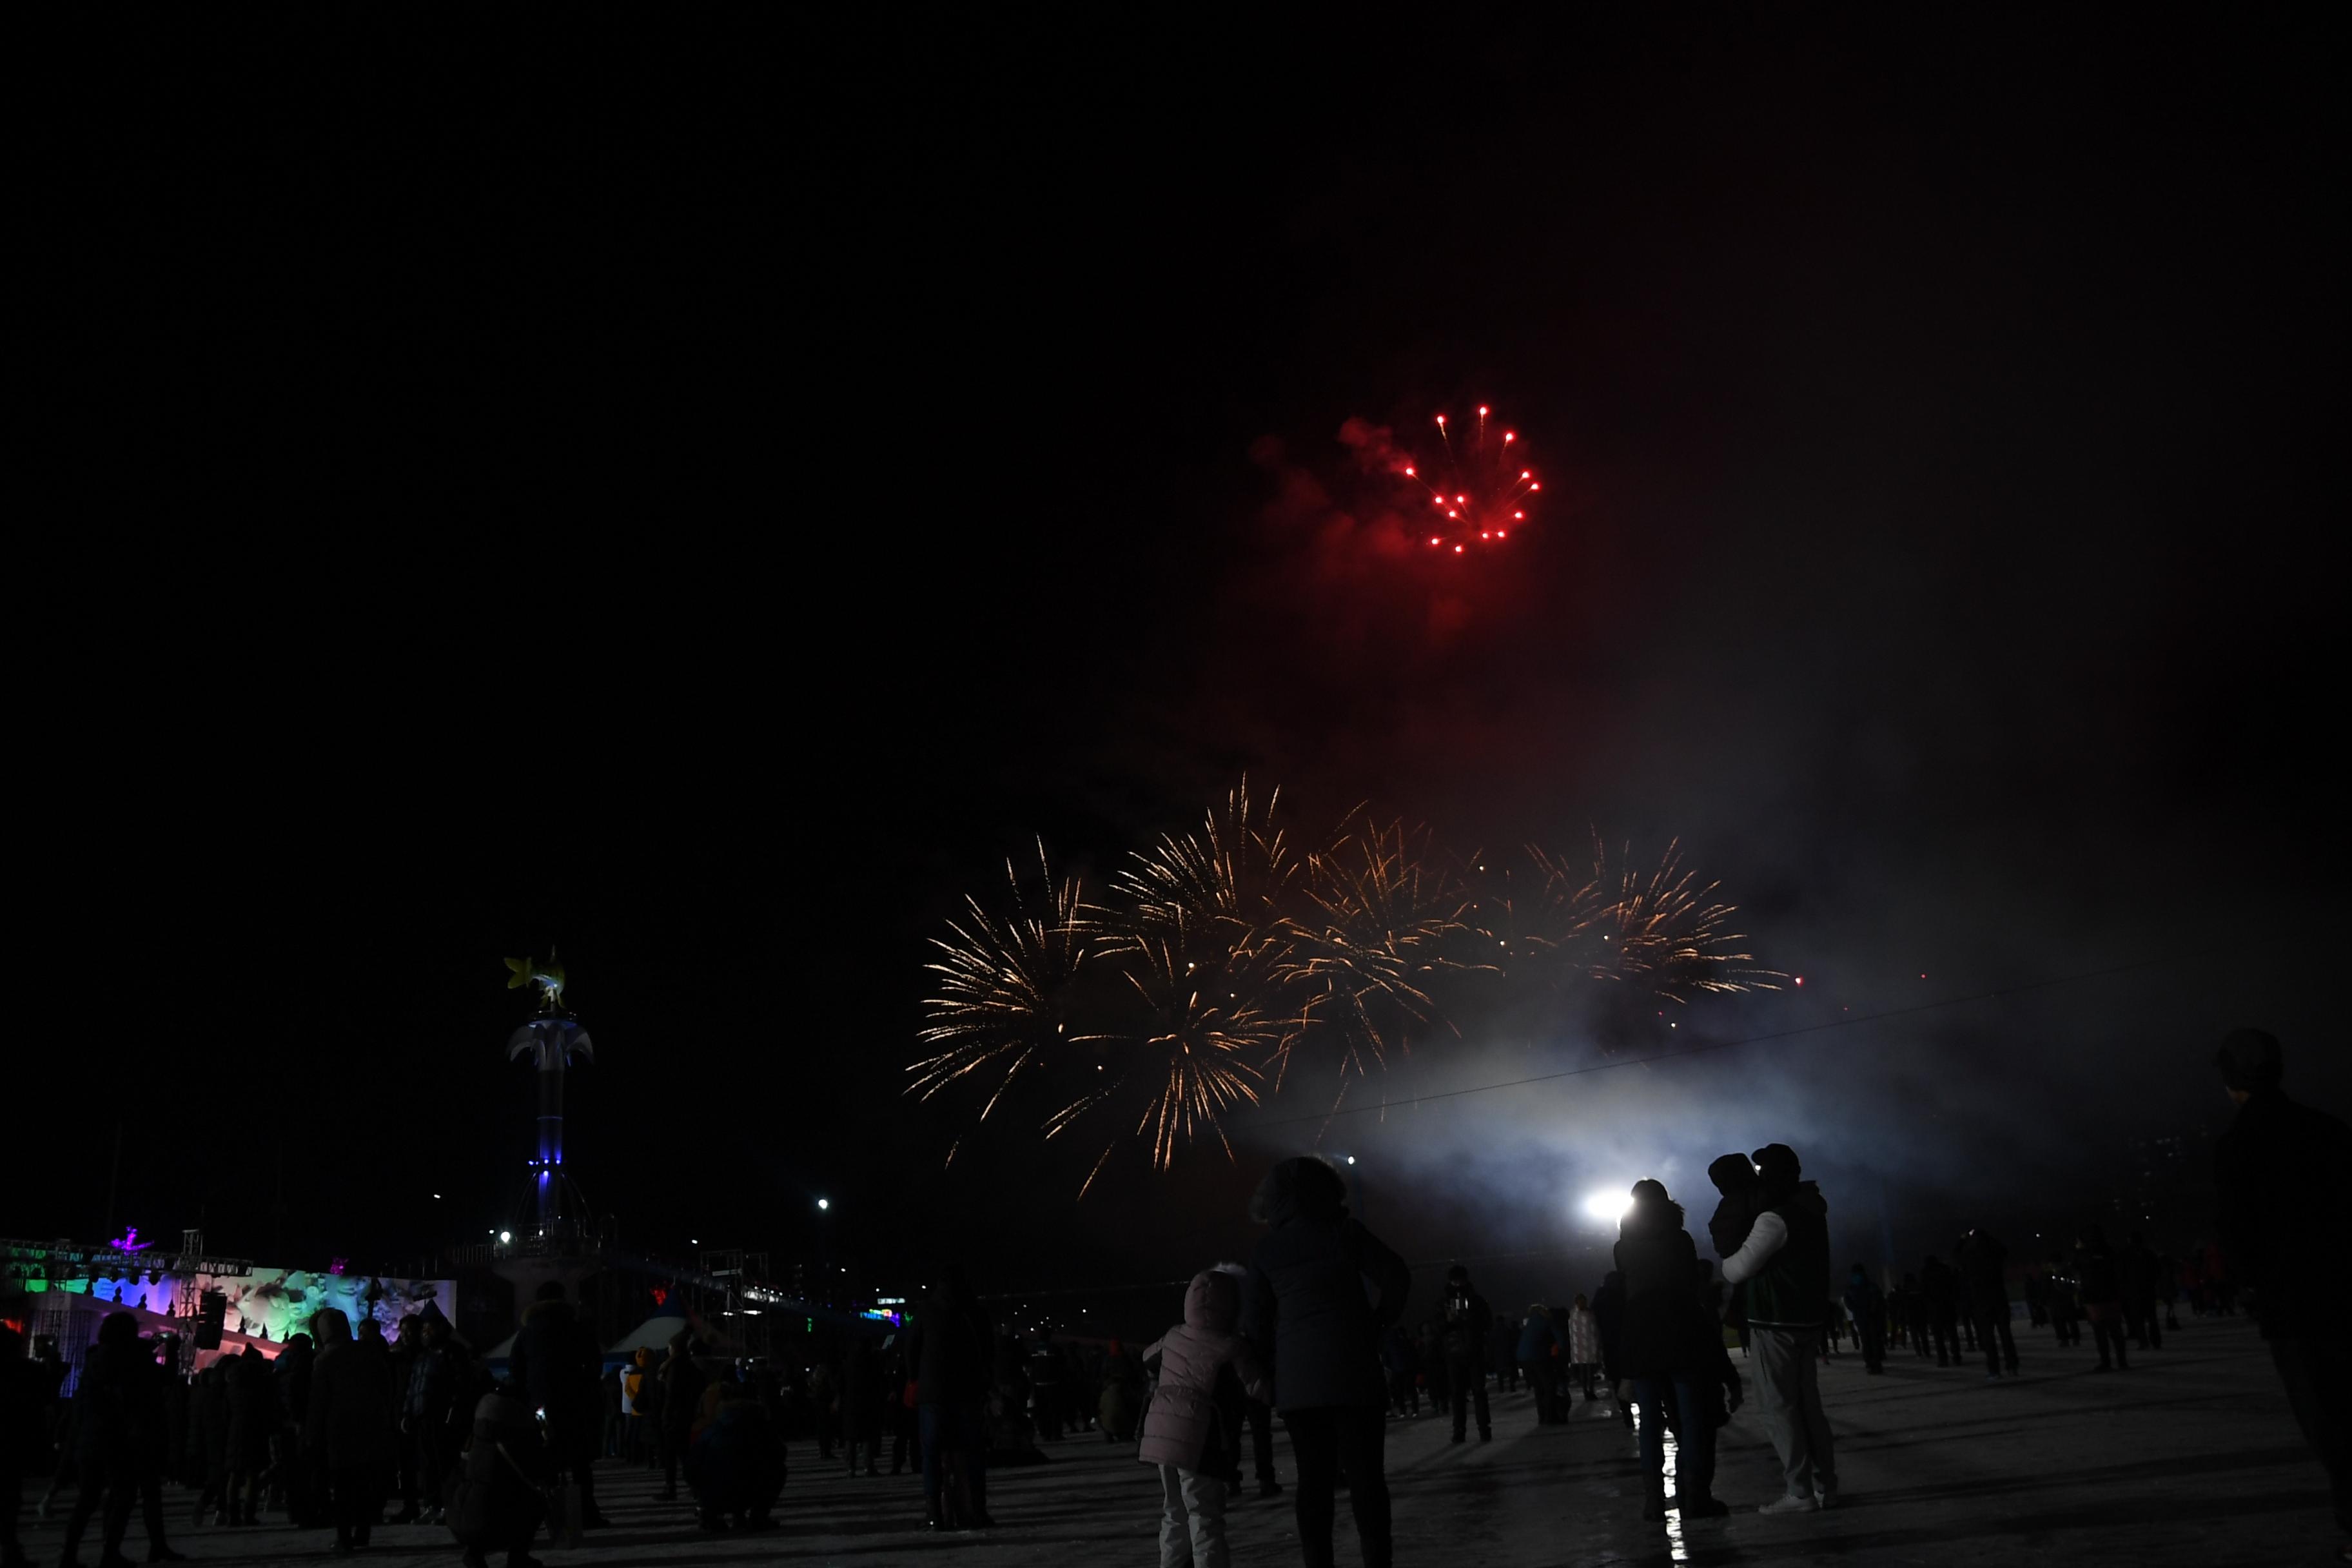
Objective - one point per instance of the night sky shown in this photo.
(704, 501)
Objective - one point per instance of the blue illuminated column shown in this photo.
(553, 1042)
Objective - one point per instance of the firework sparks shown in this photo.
(1477, 491)
(1366, 947)
(1220, 962)
(1005, 986)
(1666, 930)
(1216, 897)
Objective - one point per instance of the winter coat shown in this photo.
(680, 1401)
(111, 1414)
(645, 1387)
(1785, 1261)
(1536, 1338)
(2279, 1165)
(1182, 1426)
(861, 1392)
(1609, 1319)
(289, 1380)
(252, 1408)
(1940, 1289)
(23, 1414)
(737, 1464)
(208, 1426)
(1583, 1337)
(554, 1361)
(948, 1347)
(1468, 1321)
(1123, 1396)
(1734, 1176)
(1664, 1328)
(1984, 1273)
(1305, 1301)
(1866, 1303)
(351, 1389)
(2101, 1281)
(434, 1376)
(495, 1508)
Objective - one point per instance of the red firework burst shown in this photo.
(1479, 491)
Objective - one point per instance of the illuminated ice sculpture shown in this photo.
(554, 1040)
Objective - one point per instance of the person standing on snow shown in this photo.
(1469, 1323)
(1785, 1264)
(2279, 1164)
(1866, 1303)
(1321, 1288)
(1192, 1430)
(1984, 1263)
(1671, 1344)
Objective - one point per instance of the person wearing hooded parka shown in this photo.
(1193, 1429)
(1320, 1291)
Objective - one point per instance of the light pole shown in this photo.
(825, 1249)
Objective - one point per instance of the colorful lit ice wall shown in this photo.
(271, 1304)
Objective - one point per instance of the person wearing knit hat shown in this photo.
(2279, 1164)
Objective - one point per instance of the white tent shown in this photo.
(655, 1333)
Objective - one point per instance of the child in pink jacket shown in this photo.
(1186, 1431)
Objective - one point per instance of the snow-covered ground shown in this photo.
(2189, 1459)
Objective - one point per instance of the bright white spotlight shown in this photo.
(1608, 1207)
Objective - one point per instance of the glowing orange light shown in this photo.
(1457, 549)
(1441, 419)
(1527, 473)
(1433, 539)
(1461, 500)
(1501, 535)
(1535, 487)
(1411, 475)
(1518, 517)
(1508, 435)
(1482, 411)
(1481, 533)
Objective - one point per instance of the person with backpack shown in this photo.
(1193, 1427)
